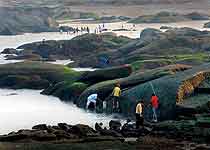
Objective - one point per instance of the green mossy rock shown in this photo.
(35, 75)
(66, 91)
(197, 103)
(170, 89)
(78, 48)
(104, 89)
(100, 75)
(23, 82)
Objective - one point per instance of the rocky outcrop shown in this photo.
(99, 75)
(22, 20)
(207, 25)
(168, 17)
(70, 91)
(29, 57)
(195, 130)
(171, 90)
(166, 27)
(66, 29)
(84, 46)
(105, 88)
(61, 132)
(10, 51)
(34, 75)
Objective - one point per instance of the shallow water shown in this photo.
(138, 27)
(25, 108)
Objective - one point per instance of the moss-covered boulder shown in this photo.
(66, 91)
(35, 74)
(195, 104)
(104, 89)
(195, 129)
(177, 45)
(78, 48)
(100, 75)
(171, 90)
(23, 82)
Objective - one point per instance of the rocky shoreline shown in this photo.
(151, 136)
(183, 116)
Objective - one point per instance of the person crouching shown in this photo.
(91, 102)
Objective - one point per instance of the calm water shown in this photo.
(139, 27)
(24, 108)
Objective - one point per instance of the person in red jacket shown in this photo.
(154, 103)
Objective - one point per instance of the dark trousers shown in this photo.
(139, 121)
(116, 104)
(91, 106)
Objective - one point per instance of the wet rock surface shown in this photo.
(171, 134)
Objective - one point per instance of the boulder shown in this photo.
(10, 51)
(43, 136)
(115, 125)
(166, 27)
(83, 131)
(171, 90)
(92, 44)
(66, 28)
(197, 16)
(66, 91)
(21, 81)
(185, 31)
(35, 75)
(150, 34)
(207, 25)
(37, 20)
(197, 103)
(40, 127)
(105, 88)
(12, 137)
(100, 75)
(64, 126)
(31, 57)
(161, 17)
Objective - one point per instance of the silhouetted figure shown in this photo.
(88, 30)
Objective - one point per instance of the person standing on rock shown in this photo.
(88, 30)
(155, 104)
(139, 114)
(116, 98)
(91, 102)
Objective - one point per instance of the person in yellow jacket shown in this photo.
(139, 114)
(116, 97)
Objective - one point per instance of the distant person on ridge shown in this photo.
(139, 114)
(88, 30)
(155, 104)
(91, 102)
(116, 97)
